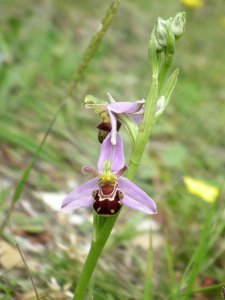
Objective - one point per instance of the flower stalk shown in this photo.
(93, 256)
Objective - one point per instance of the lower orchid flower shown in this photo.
(109, 190)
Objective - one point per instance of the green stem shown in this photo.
(92, 258)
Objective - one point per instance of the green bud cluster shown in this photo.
(168, 31)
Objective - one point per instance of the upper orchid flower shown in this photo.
(109, 112)
(109, 190)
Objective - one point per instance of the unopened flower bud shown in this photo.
(160, 32)
(178, 24)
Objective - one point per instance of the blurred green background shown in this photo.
(41, 44)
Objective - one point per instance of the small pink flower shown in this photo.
(114, 108)
(109, 190)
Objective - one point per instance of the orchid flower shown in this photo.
(109, 190)
(109, 112)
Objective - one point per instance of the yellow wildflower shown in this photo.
(192, 3)
(202, 189)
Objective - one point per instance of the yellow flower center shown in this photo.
(107, 177)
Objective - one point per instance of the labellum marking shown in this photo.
(107, 200)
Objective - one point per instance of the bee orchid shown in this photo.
(110, 111)
(109, 190)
